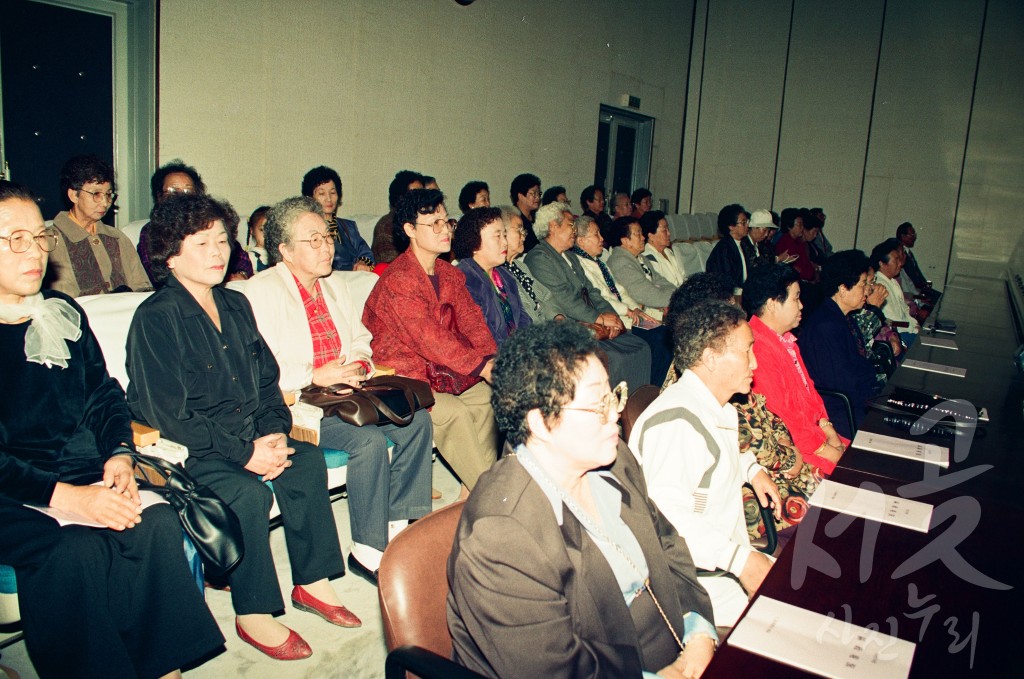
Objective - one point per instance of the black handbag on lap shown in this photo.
(379, 400)
(209, 522)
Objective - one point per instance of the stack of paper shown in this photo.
(897, 447)
(819, 643)
(935, 368)
(941, 342)
(868, 504)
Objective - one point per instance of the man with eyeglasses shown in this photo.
(525, 194)
(91, 257)
(687, 442)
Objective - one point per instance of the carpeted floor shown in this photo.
(354, 653)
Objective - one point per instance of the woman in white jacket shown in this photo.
(311, 320)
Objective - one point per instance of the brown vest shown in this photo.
(87, 269)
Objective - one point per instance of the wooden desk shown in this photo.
(953, 603)
(936, 589)
(986, 340)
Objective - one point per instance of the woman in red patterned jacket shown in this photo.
(426, 325)
(771, 296)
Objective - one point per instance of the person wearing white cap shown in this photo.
(761, 224)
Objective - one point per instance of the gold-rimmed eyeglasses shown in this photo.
(439, 225)
(318, 239)
(614, 401)
(21, 240)
(101, 196)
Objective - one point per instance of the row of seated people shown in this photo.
(387, 310)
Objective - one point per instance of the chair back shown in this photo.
(636, 404)
(413, 583)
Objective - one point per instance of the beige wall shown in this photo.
(871, 111)
(254, 93)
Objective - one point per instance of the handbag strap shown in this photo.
(410, 398)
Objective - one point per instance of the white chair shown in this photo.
(689, 258)
(704, 248)
(677, 228)
(134, 229)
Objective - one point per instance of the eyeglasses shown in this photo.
(614, 401)
(101, 196)
(438, 225)
(184, 190)
(21, 240)
(318, 239)
(533, 193)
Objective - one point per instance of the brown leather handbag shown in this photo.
(387, 399)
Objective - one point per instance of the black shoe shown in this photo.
(362, 571)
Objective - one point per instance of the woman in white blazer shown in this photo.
(310, 318)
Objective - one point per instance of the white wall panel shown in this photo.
(255, 92)
(827, 110)
(988, 226)
(740, 100)
(919, 129)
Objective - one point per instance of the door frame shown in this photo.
(133, 57)
(642, 156)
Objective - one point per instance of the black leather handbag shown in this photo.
(379, 400)
(209, 522)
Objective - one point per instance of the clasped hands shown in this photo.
(340, 372)
(115, 504)
(270, 456)
(612, 322)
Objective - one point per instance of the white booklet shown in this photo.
(819, 643)
(935, 368)
(897, 447)
(64, 518)
(940, 342)
(869, 504)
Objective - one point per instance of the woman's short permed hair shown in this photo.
(699, 287)
(843, 268)
(411, 204)
(466, 239)
(767, 282)
(706, 325)
(317, 176)
(281, 217)
(178, 217)
(79, 171)
(156, 182)
(469, 193)
(538, 367)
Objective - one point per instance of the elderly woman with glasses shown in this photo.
(312, 323)
(94, 258)
(560, 541)
(109, 594)
(426, 325)
(201, 373)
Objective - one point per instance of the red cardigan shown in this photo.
(799, 406)
(403, 314)
(803, 264)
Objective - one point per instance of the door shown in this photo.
(624, 142)
(56, 68)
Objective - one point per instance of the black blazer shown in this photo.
(725, 259)
(530, 598)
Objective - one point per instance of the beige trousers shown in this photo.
(465, 431)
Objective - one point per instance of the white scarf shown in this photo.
(53, 323)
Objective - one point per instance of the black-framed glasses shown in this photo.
(21, 240)
(614, 401)
(101, 196)
(438, 225)
(318, 239)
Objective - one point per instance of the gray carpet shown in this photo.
(357, 653)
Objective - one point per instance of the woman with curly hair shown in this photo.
(560, 541)
(201, 373)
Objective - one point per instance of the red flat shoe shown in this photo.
(336, 615)
(293, 648)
